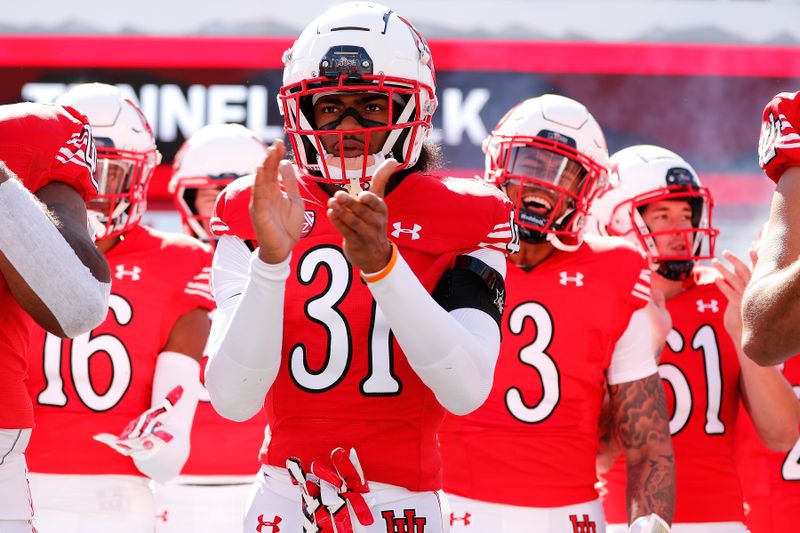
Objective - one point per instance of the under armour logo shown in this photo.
(414, 231)
(577, 279)
(133, 273)
(454, 518)
(712, 306)
(408, 523)
(582, 526)
(273, 524)
(162, 516)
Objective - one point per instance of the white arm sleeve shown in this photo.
(173, 369)
(633, 356)
(247, 335)
(51, 268)
(453, 353)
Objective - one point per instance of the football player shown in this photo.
(362, 315)
(211, 492)
(144, 357)
(770, 309)
(770, 480)
(576, 323)
(658, 202)
(50, 271)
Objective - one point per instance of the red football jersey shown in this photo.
(700, 371)
(221, 447)
(779, 144)
(344, 380)
(101, 380)
(770, 480)
(534, 442)
(40, 144)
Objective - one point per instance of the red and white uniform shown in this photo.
(779, 144)
(364, 396)
(41, 144)
(534, 442)
(100, 381)
(211, 492)
(770, 480)
(700, 371)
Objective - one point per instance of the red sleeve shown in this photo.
(231, 214)
(779, 143)
(196, 289)
(42, 144)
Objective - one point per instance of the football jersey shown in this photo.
(700, 370)
(534, 441)
(221, 447)
(101, 380)
(40, 144)
(344, 380)
(770, 480)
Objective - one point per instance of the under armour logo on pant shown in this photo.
(464, 519)
(408, 523)
(273, 524)
(582, 526)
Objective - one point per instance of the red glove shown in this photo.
(779, 144)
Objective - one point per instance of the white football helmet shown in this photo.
(553, 148)
(357, 47)
(643, 174)
(126, 156)
(210, 159)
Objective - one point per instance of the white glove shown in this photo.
(144, 435)
(649, 524)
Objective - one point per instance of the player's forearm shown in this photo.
(46, 275)
(454, 353)
(246, 362)
(643, 430)
(771, 312)
(771, 404)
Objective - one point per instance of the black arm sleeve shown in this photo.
(471, 283)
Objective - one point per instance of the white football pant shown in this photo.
(705, 527)
(201, 506)
(92, 504)
(275, 505)
(474, 516)
(16, 508)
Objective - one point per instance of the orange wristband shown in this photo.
(372, 278)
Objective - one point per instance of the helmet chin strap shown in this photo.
(675, 270)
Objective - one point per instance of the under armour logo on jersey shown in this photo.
(464, 519)
(565, 278)
(309, 217)
(703, 306)
(582, 526)
(413, 231)
(162, 516)
(272, 524)
(134, 273)
(408, 523)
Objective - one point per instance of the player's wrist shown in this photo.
(377, 273)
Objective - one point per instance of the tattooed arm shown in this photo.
(640, 423)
